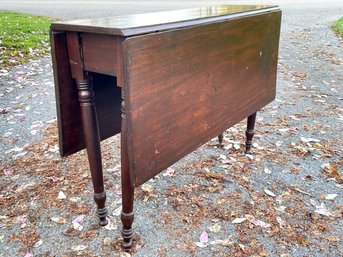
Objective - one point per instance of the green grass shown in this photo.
(22, 36)
(338, 26)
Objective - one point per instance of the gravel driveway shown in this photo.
(285, 200)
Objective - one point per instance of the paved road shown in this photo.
(64, 9)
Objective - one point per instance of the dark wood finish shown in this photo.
(68, 112)
(168, 82)
(138, 24)
(70, 130)
(249, 133)
(75, 55)
(200, 78)
(90, 123)
(127, 214)
(92, 140)
(95, 49)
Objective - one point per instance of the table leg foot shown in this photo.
(100, 199)
(250, 133)
(127, 245)
(220, 139)
(127, 231)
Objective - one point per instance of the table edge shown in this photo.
(135, 31)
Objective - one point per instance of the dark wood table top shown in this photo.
(136, 24)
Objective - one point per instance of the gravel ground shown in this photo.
(27, 105)
(285, 200)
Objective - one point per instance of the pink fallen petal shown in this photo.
(53, 178)
(257, 222)
(204, 237)
(251, 219)
(78, 219)
(325, 166)
(8, 172)
(21, 219)
(28, 254)
(8, 134)
(169, 172)
(114, 170)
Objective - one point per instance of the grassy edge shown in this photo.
(23, 37)
(338, 27)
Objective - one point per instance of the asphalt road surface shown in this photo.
(63, 9)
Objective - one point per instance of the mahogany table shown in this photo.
(168, 81)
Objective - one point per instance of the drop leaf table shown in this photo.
(167, 81)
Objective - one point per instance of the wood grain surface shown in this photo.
(104, 54)
(70, 131)
(186, 86)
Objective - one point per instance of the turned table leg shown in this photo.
(127, 214)
(92, 141)
(220, 139)
(250, 132)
